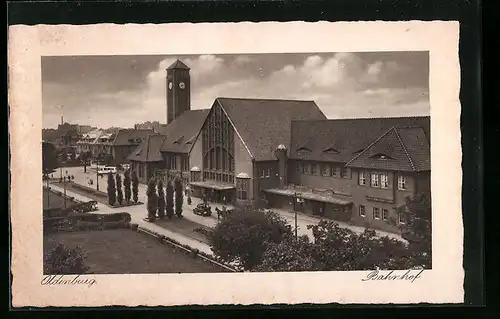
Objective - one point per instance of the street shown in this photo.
(140, 210)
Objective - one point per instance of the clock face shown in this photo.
(182, 85)
(170, 85)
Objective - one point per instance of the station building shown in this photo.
(287, 154)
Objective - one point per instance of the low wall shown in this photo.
(89, 190)
(86, 221)
(194, 252)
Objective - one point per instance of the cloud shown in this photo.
(242, 60)
(342, 84)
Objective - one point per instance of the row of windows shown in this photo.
(218, 176)
(324, 170)
(381, 180)
(380, 214)
(265, 173)
(219, 159)
(171, 162)
(378, 180)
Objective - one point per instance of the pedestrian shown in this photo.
(224, 200)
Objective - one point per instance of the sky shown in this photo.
(119, 91)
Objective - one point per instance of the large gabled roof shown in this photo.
(181, 132)
(263, 124)
(131, 136)
(149, 150)
(178, 64)
(399, 149)
(340, 140)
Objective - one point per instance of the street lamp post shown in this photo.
(64, 183)
(48, 192)
(295, 198)
(97, 172)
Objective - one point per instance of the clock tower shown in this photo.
(178, 90)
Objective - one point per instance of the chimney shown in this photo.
(281, 154)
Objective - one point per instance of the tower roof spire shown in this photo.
(178, 64)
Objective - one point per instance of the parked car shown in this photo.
(106, 170)
(203, 210)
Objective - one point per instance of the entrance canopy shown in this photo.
(310, 196)
(213, 185)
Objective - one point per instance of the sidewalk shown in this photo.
(302, 220)
(137, 217)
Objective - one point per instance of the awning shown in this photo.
(310, 196)
(213, 185)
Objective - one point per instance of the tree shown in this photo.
(417, 227)
(169, 199)
(289, 255)
(119, 192)
(152, 199)
(135, 186)
(126, 186)
(341, 249)
(62, 260)
(161, 200)
(50, 160)
(179, 195)
(111, 189)
(244, 235)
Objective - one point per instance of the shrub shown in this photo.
(126, 186)
(169, 200)
(244, 235)
(111, 189)
(289, 255)
(152, 199)
(119, 192)
(161, 200)
(65, 261)
(135, 186)
(417, 229)
(179, 196)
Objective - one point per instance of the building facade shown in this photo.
(288, 155)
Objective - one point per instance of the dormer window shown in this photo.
(358, 151)
(330, 150)
(381, 156)
(179, 140)
(303, 150)
(191, 140)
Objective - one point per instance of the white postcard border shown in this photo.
(442, 284)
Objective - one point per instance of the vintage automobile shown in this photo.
(203, 209)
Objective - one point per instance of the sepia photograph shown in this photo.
(202, 169)
(268, 162)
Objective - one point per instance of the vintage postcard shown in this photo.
(235, 163)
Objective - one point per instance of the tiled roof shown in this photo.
(341, 140)
(149, 150)
(263, 124)
(181, 132)
(401, 149)
(131, 136)
(178, 65)
(417, 147)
